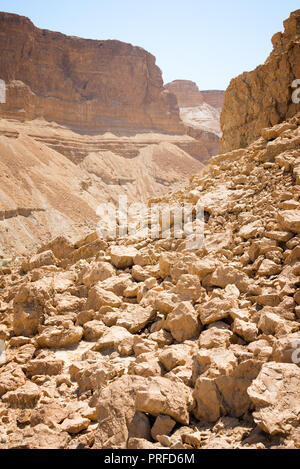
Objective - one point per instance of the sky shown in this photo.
(208, 42)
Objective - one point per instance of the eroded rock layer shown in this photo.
(263, 97)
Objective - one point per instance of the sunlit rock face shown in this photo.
(140, 341)
(262, 98)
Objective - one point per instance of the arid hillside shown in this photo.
(52, 180)
(84, 121)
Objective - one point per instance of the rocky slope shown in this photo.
(186, 92)
(52, 180)
(204, 118)
(142, 343)
(91, 86)
(263, 97)
(198, 109)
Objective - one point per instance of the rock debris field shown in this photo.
(141, 343)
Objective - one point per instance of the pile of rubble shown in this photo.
(141, 343)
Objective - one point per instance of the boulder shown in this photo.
(116, 411)
(58, 337)
(176, 355)
(165, 302)
(11, 378)
(48, 367)
(123, 256)
(146, 364)
(166, 260)
(159, 396)
(202, 267)
(163, 425)
(287, 349)
(275, 396)
(247, 330)
(215, 337)
(268, 268)
(93, 330)
(214, 310)
(113, 338)
(97, 272)
(75, 425)
(39, 260)
(188, 288)
(24, 397)
(135, 318)
(91, 376)
(225, 394)
(250, 230)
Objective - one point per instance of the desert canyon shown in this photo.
(141, 343)
(83, 133)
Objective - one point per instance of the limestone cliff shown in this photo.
(263, 97)
(89, 85)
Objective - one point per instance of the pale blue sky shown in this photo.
(208, 42)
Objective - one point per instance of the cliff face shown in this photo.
(52, 179)
(214, 98)
(89, 85)
(263, 97)
(199, 110)
(186, 92)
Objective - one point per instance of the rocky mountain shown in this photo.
(263, 97)
(90, 86)
(214, 98)
(198, 109)
(146, 343)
